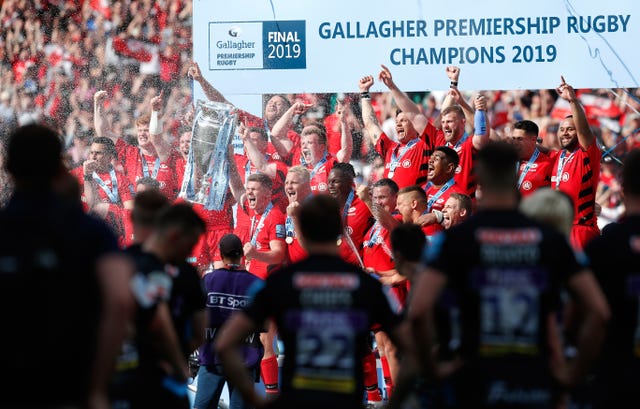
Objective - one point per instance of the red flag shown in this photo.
(131, 48)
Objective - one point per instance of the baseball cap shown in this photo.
(230, 245)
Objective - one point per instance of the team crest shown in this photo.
(322, 186)
(406, 163)
(565, 176)
(527, 185)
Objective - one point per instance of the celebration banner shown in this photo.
(251, 47)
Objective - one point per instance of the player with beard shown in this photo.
(452, 123)
(405, 160)
(576, 169)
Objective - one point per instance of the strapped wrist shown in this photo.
(439, 215)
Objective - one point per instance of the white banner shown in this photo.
(250, 47)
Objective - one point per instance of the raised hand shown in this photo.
(157, 102)
(480, 103)
(385, 76)
(565, 90)
(300, 108)
(99, 97)
(365, 83)
(453, 72)
(194, 71)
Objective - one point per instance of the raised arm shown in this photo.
(346, 139)
(455, 97)
(279, 139)
(90, 191)
(585, 136)
(371, 126)
(101, 126)
(256, 157)
(381, 214)
(403, 101)
(212, 94)
(162, 146)
(235, 181)
(482, 131)
(453, 73)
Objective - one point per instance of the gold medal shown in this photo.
(289, 240)
(339, 242)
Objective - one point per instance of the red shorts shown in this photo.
(207, 250)
(581, 235)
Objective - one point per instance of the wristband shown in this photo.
(453, 84)
(365, 95)
(439, 216)
(155, 126)
(88, 178)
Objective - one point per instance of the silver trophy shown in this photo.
(206, 175)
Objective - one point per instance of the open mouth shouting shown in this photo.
(431, 171)
(292, 194)
(306, 154)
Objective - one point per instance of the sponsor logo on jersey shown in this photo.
(514, 236)
(326, 280)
